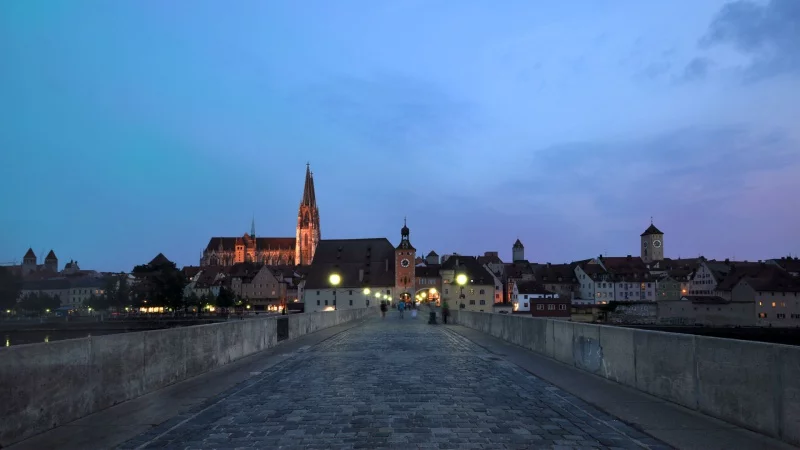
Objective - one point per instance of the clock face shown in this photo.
(404, 263)
(656, 243)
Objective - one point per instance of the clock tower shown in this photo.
(652, 244)
(404, 268)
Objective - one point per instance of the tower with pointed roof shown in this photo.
(28, 262)
(652, 241)
(51, 262)
(518, 251)
(308, 232)
(404, 266)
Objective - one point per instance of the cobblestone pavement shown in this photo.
(394, 383)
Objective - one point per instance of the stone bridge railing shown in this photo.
(754, 385)
(46, 385)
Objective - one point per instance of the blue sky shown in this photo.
(132, 128)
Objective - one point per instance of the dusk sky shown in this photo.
(129, 128)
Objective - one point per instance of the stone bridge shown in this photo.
(359, 381)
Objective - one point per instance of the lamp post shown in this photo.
(461, 280)
(334, 279)
(366, 296)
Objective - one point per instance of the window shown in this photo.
(483, 302)
(351, 303)
(471, 291)
(551, 307)
(562, 307)
(326, 303)
(350, 293)
(472, 302)
(481, 292)
(317, 302)
(524, 305)
(762, 315)
(540, 307)
(317, 292)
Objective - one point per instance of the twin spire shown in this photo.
(309, 198)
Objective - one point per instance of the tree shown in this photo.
(39, 302)
(123, 294)
(10, 287)
(225, 298)
(97, 302)
(194, 301)
(160, 284)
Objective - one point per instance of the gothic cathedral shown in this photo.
(404, 267)
(308, 233)
(298, 250)
(652, 244)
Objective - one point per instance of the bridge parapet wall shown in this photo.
(754, 385)
(46, 385)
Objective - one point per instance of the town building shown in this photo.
(297, 250)
(558, 278)
(365, 270)
(477, 293)
(534, 299)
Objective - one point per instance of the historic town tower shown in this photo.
(308, 232)
(404, 268)
(652, 244)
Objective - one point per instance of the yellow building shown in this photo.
(467, 285)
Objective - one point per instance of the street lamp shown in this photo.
(334, 279)
(461, 280)
(366, 296)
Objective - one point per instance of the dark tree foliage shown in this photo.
(225, 298)
(10, 286)
(39, 303)
(160, 284)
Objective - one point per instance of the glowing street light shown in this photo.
(366, 296)
(461, 280)
(334, 279)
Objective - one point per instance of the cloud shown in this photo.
(715, 183)
(768, 32)
(697, 69)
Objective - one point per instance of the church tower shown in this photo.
(652, 244)
(404, 267)
(518, 251)
(308, 233)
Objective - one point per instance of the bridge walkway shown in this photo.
(397, 383)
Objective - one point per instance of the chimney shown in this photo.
(548, 264)
(360, 275)
(629, 257)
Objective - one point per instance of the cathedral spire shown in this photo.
(253, 227)
(309, 197)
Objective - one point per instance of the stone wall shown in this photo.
(46, 385)
(754, 385)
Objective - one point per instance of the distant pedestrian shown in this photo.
(401, 307)
(445, 311)
(383, 309)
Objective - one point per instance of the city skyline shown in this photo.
(567, 127)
